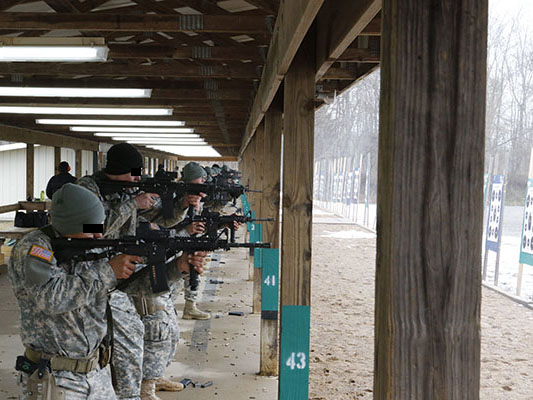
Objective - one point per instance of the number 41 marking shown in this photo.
(270, 280)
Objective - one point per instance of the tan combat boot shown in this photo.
(190, 311)
(148, 390)
(164, 384)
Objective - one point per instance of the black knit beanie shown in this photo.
(121, 158)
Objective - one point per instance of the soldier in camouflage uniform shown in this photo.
(142, 332)
(193, 173)
(63, 305)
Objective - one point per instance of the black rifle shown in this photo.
(168, 191)
(215, 221)
(157, 246)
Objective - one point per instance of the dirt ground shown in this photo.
(342, 322)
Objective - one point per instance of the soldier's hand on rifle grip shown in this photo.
(197, 260)
(145, 200)
(196, 228)
(193, 200)
(123, 265)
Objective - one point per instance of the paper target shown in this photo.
(494, 224)
(526, 243)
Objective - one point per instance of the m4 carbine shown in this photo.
(169, 191)
(157, 246)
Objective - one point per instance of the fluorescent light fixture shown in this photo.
(14, 146)
(108, 122)
(50, 49)
(149, 135)
(84, 110)
(164, 142)
(129, 130)
(74, 92)
(188, 151)
(160, 140)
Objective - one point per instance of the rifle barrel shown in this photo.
(261, 245)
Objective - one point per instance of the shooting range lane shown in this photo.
(223, 350)
(229, 358)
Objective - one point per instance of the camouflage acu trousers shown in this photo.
(128, 332)
(160, 338)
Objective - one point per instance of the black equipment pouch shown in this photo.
(27, 366)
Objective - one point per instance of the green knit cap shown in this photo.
(73, 206)
(192, 171)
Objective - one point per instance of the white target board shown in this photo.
(526, 244)
(494, 222)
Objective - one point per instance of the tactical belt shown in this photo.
(82, 365)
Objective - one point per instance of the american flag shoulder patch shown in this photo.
(41, 252)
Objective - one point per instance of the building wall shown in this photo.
(13, 172)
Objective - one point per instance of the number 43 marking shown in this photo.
(300, 357)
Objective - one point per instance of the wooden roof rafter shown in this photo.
(88, 22)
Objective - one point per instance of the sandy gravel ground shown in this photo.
(342, 320)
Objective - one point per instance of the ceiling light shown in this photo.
(149, 135)
(188, 151)
(162, 142)
(84, 111)
(129, 130)
(50, 49)
(74, 92)
(108, 122)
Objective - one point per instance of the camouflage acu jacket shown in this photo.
(62, 306)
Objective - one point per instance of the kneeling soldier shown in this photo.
(63, 305)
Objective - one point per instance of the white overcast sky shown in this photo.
(508, 9)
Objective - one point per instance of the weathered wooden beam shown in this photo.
(64, 6)
(89, 5)
(153, 83)
(5, 4)
(270, 207)
(9, 208)
(134, 23)
(359, 56)
(78, 162)
(350, 18)
(373, 28)
(269, 6)
(156, 52)
(430, 200)
(193, 105)
(292, 23)
(13, 134)
(258, 185)
(116, 69)
(297, 209)
(30, 170)
(57, 157)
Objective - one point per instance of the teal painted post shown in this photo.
(294, 372)
(270, 283)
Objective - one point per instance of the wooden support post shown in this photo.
(430, 197)
(57, 157)
(270, 209)
(30, 168)
(78, 156)
(297, 210)
(250, 181)
(258, 185)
